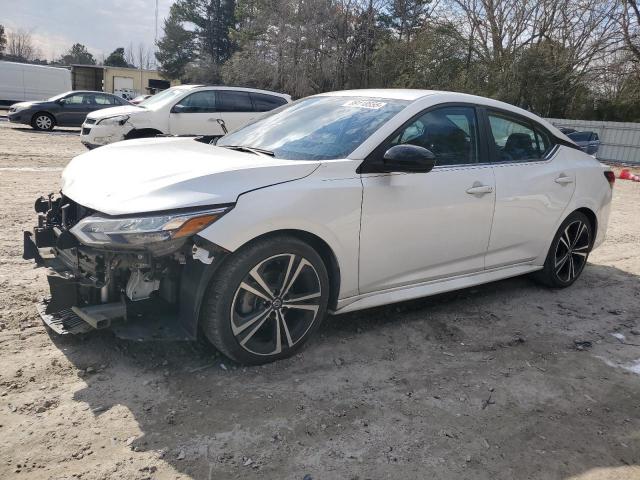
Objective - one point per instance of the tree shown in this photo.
(305, 47)
(3, 40)
(116, 58)
(20, 46)
(176, 48)
(196, 31)
(144, 57)
(79, 55)
(563, 58)
(631, 26)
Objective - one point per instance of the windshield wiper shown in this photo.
(256, 151)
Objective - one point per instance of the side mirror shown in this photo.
(408, 158)
(179, 108)
(62, 101)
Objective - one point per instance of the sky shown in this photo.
(100, 25)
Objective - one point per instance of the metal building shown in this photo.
(126, 82)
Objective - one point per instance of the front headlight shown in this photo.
(112, 121)
(144, 231)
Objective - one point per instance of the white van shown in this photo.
(21, 82)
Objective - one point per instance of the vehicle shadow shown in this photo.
(55, 131)
(481, 383)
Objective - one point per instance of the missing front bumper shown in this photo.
(139, 295)
(71, 310)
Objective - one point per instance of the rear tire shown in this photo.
(43, 121)
(568, 252)
(266, 300)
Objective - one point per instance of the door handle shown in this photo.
(480, 190)
(564, 180)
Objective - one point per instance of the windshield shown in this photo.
(580, 136)
(316, 128)
(162, 98)
(58, 97)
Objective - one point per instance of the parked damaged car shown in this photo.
(337, 202)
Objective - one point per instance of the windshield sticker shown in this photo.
(364, 104)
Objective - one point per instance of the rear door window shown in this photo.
(234, 101)
(516, 140)
(105, 100)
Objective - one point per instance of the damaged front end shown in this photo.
(142, 276)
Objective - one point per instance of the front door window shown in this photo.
(451, 133)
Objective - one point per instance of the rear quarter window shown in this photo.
(264, 103)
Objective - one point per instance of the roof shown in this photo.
(35, 65)
(392, 93)
(232, 87)
(413, 95)
(112, 67)
(90, 91)
(78, 65)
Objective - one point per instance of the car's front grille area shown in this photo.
(85, 131)
(90, 121)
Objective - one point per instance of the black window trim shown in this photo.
(372, 161)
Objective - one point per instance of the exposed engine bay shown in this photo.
(153, 289)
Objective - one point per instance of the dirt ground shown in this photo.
(486, 383)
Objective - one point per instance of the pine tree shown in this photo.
(205, 44)
(79, 55)
(116, 58)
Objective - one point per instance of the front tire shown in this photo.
(568, 253)
(266, 300)
(43, 122)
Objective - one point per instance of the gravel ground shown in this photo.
(486, 383)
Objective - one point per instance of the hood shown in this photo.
(113, 111)
(149, 175)
(23, 105)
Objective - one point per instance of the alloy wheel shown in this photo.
(572, 250)
(44, 122)
(276, 304)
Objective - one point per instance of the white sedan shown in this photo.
(187, 110)
(338, 202)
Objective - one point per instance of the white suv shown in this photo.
(182, 110)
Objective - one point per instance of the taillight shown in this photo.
(611, 177)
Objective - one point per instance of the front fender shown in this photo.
(328, 208)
